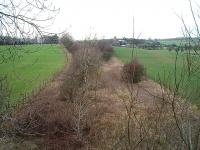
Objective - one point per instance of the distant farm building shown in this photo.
(120, 42)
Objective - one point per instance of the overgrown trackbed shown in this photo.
(46, 113)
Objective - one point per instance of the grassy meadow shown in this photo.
(32, 65)
(159, 64)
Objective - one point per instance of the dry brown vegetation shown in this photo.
(89, 106)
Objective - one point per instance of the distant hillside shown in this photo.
(176, 41)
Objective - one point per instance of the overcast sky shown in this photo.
(109, 18)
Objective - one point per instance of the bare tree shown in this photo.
(24, 19)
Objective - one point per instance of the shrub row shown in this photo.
(82, 74)
(105, 47)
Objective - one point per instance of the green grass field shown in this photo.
(33, 65)
(159, 64)
(177, 41)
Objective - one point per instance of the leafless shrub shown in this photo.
(75, 47)
(83, 70)
(148, 127)
(69, 43)
(133, 71)
(106, 48)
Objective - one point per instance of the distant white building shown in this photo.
(119, 42)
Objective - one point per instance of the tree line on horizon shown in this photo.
(46, 39)
(176, 44)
